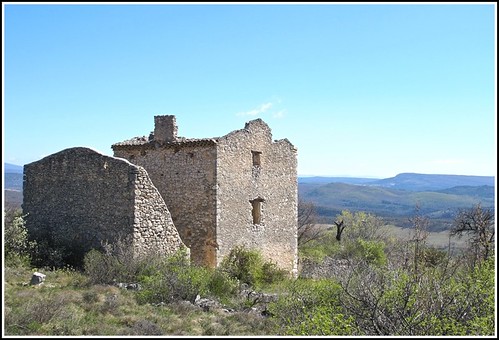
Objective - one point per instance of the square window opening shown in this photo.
(256, 158)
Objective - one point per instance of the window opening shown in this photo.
(256, 158)
(256, 211)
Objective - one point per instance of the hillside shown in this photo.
(13, 187)
(327, 180)
(394, 205)
(13, 181)
(12, 168)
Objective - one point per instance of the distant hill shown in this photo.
(420, 182)
(13, 181)
(12, 168)
(13, 185)
(406, 181)
(347, 195)
(398, 205)
(326, 180)
(482, 192)
(13, 199)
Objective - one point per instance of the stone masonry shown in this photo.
(77, 198)
(239, 189)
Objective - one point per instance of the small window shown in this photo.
(256, 158)
(256, 210)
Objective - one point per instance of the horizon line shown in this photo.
(333, 176)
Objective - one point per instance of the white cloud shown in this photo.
(279, 114)
(261, 109)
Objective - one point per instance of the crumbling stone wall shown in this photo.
(154, 231)
(214, 190)
(184, 173)
(77, 198)
(257, 194)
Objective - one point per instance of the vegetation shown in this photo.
(394, 205)
(479, 223)
(17, 248)
(307, 223)
(379, 285)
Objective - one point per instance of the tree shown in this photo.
(307, 223)
(420, 234)
(361, 225)
(478, 223)
(17, 247)
(340, 226)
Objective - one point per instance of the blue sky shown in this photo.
(367, 90)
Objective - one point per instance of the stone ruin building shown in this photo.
(77, 198)
(239, 189)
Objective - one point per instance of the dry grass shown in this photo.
(66, 306)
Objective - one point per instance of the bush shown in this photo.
(310, 307)
(432, 302)
(271, 273)
(433, 257)
(115, 263)
(317, 250)
(244, 265)
(173, 279)
(372, 252)
(221, 285)
(248, 266)
(16, 245)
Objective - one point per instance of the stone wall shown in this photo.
(251, 167)
(77, 198)
(184, 173)
(216, 189)
(154, 230)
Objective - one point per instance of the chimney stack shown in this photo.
(165, 128)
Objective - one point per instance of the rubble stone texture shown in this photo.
(78, 198)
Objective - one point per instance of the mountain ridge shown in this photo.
(417, 182)
(13, 168)
(407, 181)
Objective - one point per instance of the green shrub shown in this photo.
(433, 257)
(222, 286)
(470, 303)
(372, 252)
(244, 265)
(172, 280)
(115, 263)
(439, 301)
(271, 273)
(248, 266)
(43, 255)
(310, 307)
(16, 245)
(323, 320)
(317, 250)
(99, 267)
